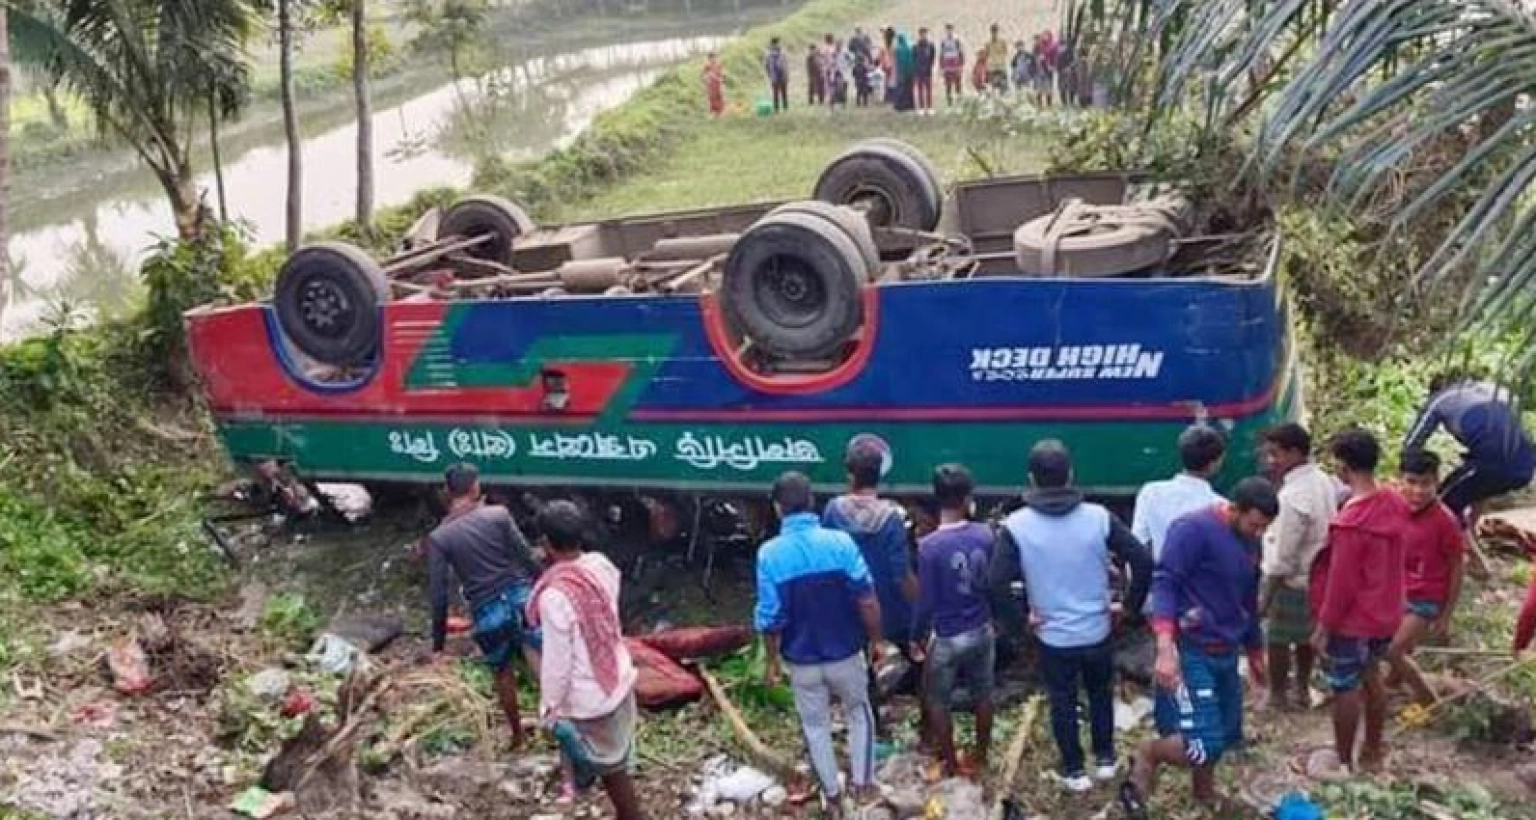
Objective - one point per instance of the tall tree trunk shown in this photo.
(56, 112)
(7, 286)
(186, 206)
(218, 161)
(294, 215)
(364, 115)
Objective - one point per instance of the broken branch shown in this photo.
(761, 754)
(1016, 754)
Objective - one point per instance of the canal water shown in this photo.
(81, 247)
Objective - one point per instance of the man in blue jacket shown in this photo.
(816, 608)
(1062, 547)
(1498, 456)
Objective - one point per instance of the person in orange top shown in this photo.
(714, 84)
(979, 70)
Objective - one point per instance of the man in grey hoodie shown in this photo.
(879, 527)
(1061, 547)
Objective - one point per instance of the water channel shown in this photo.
(81, 245)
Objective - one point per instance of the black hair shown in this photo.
(1201, 446)
(1450, 377)
(1356, 449)
(1258, 494)
(952, 486)
(460, 479)
(1050, 465)
(563, 525)
(1419, 462)
(863, 466)
(1290, 436)
(792, 492)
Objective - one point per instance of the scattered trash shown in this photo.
(1130, 715)
(369, 632)
(1324, 764)
(56, 780)
(259, 803)
(352, 501)
(956, 799)
(298, 702)
(334, 654)
(1297, 806)
(130, 667)
(97, 715)
(269, 684)
(742, 785)
(69, 643)
(774, 796)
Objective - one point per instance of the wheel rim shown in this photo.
(876, 203)
(789, 292)
(326, 308)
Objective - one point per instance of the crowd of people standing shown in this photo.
(899, 70)
(1294, 571)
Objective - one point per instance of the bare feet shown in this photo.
(1373, 761)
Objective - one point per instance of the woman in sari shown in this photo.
(905, 63)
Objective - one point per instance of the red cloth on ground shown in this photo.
(600, 630)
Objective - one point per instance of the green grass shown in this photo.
(743, 159)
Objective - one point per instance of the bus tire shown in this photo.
(849, 221)
(891, 186)
(327, 298)
(478, 216)
(792, 286)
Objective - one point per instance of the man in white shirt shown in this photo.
(1201, 451)
(1308, 500)
(586, 676)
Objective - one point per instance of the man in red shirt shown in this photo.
(1357, 596)
(1434, 549)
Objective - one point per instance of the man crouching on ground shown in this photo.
(1205, 600)
(816, 606)
(483, 546)
(586, 677)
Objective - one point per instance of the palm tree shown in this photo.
(361, 93)
(1365, 89)
(294, 204)
(143, 67)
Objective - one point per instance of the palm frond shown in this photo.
(1371, 87)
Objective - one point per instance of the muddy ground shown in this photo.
(429, 744)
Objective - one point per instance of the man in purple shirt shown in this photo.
(952, 581)
(1205, 605)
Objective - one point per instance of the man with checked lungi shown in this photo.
(1205, 612)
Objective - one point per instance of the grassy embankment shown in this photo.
(101, 464)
